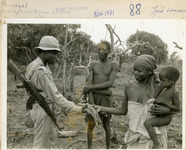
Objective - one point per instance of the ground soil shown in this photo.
(20, 136)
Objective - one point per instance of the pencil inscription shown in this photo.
(162, 10)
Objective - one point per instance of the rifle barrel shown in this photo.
(15, 70)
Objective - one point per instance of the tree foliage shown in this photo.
(150, 44)
(22, 38)
(76, 46)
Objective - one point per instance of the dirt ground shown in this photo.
(19, 136)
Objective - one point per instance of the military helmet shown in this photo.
(48, 43)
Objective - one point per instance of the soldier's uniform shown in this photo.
(41, 77)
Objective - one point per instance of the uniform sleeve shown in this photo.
(48, 86)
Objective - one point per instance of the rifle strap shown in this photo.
(31, 100)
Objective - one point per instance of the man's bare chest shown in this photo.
(101, 69)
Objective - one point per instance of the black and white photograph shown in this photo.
(94, 84)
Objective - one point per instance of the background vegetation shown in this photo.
(70, 76)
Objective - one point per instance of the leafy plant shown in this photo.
(150, 44)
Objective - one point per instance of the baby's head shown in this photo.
(168, 76)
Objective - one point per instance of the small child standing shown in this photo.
(168, 97)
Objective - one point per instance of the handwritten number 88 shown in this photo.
(138, 6)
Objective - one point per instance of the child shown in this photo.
(169, 97)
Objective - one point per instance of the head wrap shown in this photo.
(145, 61)
(148, 62)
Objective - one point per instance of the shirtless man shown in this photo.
(136, 95)
(101, 77)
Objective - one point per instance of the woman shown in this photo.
(136, 95)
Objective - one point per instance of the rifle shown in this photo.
(32, 90)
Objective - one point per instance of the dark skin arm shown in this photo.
(104, 85)
(160, 110)
(116, 111)
(91, 100)
(89, 82)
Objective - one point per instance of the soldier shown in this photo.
(39, 74)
